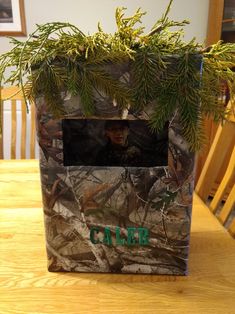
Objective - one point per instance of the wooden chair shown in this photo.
(14, 96)
(223, 201)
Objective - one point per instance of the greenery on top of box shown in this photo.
(163, 68)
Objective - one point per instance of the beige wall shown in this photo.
(86, 13)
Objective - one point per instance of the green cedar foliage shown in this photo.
(59, 57)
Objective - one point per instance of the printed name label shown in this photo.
(131, 236)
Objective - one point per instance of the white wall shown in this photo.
(86, 14)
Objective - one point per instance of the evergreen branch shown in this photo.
(74, 79)
(110, 86)
(164, 23)
(192, 125)
(146, 71)
(163, 113)
(85, 89)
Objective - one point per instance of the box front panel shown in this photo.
(107, 211)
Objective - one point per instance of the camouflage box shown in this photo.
(132, 217)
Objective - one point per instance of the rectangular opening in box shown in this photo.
(113, 143)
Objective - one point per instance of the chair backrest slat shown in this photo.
(227, 181)
(231, 228)
(13, 129)
(223, 201)
(1, 128)
(13, 95)
(223, 142)
(33, 131)
(23, 130)
(228, 206)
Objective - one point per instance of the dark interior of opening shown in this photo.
(113, 143)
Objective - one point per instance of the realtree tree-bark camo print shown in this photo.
(114, 219)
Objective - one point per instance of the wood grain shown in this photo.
(23, 130)
(228, 206)
(11, 92)
(223, 148)
(33, 131)
(228, 180)
(13, 129)
(14, 94)
(231, 228)
(215, 18)
(217, 157)
(1, 128)
(27, 287)
(19, 181)
(214, 29)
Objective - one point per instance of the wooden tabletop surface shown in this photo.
(27, 287)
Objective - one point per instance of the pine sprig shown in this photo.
(165, 23)
(85, 89)
(73, 79)
(163, 113)
(110, 86)
(146, 70)
(189, 100)
(126, 30)
(192, 124)
(50, 84)
(179, 91)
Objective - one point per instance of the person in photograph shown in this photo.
(118, 151)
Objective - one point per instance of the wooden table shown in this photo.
(27, 287)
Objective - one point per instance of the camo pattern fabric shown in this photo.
(79, 198)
